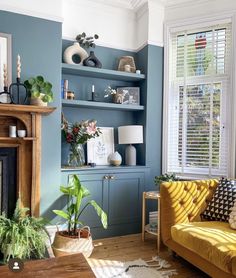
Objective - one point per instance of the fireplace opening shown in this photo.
(8, 180)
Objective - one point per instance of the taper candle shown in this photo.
(18, 66)
(5, 75)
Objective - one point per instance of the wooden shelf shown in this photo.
(101, 73)
(18, 108)
(147, 229)
(101, 105)
(18, 138)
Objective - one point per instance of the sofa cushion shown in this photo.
(223, 199)
(214, 241)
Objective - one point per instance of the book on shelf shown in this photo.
(64, 88)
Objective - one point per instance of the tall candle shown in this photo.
(5, 75)
(18, 66)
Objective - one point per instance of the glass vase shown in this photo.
(76, 157)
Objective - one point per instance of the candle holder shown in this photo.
(8, 95)
(18, 85)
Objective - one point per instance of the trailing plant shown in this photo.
(86, 41)
(165, 177)
(22, 236)
(39, 88)
(75, 193)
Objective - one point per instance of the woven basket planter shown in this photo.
(66, 245)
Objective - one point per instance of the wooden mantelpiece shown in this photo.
(28, 149)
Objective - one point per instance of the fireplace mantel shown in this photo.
(28, 149)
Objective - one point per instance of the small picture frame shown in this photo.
(129, 95)
(99, 148)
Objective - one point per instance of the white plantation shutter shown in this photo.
(198, 108)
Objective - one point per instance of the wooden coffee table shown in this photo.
(67, 267)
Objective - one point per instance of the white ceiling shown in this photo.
(135, 4)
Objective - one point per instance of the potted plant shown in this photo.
(22, 236)
(165, 177)
(39, 90)
(76, 238)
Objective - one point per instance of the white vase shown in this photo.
(115, 159)
(72, 50)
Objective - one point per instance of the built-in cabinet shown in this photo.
(119, 192)
(118, 189)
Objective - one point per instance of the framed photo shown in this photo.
(99, 148)
(129, 95)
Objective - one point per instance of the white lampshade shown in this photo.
(130, 134)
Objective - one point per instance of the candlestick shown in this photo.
(18, 66)
(5, 75)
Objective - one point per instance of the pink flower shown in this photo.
(91, 128)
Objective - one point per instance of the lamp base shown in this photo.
(130, 155)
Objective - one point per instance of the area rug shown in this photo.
(155, 268)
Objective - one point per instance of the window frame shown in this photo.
(195, 24)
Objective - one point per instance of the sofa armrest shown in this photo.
(183, 201)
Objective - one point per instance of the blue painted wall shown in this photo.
(38, 42)
(150, 59)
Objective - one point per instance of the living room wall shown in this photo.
(38, 42)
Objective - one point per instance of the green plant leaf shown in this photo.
(100, 213)
(85, 192)
(32, 81)
(40, 79)
(62, 214)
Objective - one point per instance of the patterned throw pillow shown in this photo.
(219, 207)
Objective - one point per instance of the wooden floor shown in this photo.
(131, 247)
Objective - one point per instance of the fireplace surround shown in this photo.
(28, 149)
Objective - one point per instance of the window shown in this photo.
(198, 126)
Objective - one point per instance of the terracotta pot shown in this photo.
(66, 245)
(37, 102)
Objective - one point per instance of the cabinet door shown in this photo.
(125, 198)
(94, 183)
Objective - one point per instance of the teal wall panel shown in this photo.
(38, 42)
(150, 58)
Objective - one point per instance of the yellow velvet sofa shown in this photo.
(209, 245)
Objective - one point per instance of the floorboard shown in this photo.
(131, 247)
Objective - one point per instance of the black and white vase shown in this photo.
(92, 61)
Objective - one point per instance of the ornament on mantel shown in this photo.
(17, 90)
(5, 96)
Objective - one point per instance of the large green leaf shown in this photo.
(100, 213)
(85, 192)
(62, 214)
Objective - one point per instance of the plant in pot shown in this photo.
(39, 90)
(165, 177)
(22, 236)
(77, 238)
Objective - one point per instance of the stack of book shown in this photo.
(153, 221)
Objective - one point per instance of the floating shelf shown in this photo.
(101, 73)
(101, 105)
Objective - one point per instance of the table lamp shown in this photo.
(130, 134)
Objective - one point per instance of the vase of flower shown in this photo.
(77, 135)
(76, 157)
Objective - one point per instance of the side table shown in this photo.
(151, 195)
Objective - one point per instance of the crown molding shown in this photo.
(184, 3)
